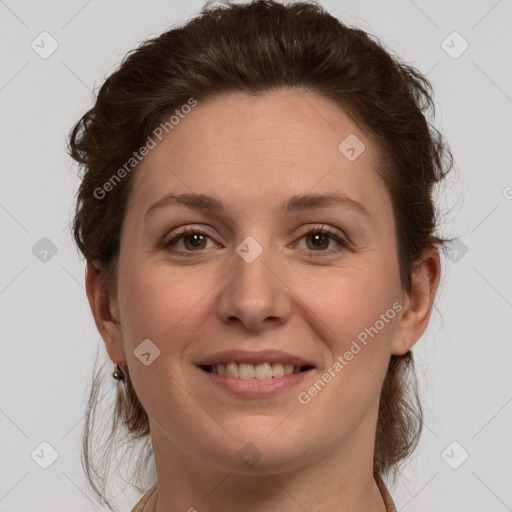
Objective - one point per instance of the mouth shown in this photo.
(260, 371)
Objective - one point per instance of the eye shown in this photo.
(318, 240)
(192, 240)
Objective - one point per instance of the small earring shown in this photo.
(118, 372)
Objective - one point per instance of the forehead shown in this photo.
(250, 149)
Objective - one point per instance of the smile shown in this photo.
(255, 371)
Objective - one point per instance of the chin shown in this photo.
(265, 447)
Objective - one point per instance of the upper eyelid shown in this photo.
(319, 226)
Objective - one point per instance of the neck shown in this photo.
(341, 481)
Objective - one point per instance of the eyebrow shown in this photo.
(203, 202)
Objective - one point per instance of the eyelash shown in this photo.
(166, 244)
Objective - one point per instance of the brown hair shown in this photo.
(254, 48)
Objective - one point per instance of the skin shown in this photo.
(253, 153)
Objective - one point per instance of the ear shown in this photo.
(106, 321)
(417, 305)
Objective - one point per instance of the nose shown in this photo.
(255, 293)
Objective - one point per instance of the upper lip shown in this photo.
(259, 357)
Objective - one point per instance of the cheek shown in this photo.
(157, 303)
(168, 306)
(357, 316)
(362, 317)
(351, 303)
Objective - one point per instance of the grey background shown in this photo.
(48, 334)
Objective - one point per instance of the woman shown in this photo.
(257, 218)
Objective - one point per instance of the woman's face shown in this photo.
(258, 276)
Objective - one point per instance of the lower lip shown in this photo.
(255, 388)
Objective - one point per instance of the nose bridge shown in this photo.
(253, 293)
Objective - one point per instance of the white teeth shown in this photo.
(277, 370)
(288, 369)
(246, 371)
(263, 371)
(232, 370)
(251, 371)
